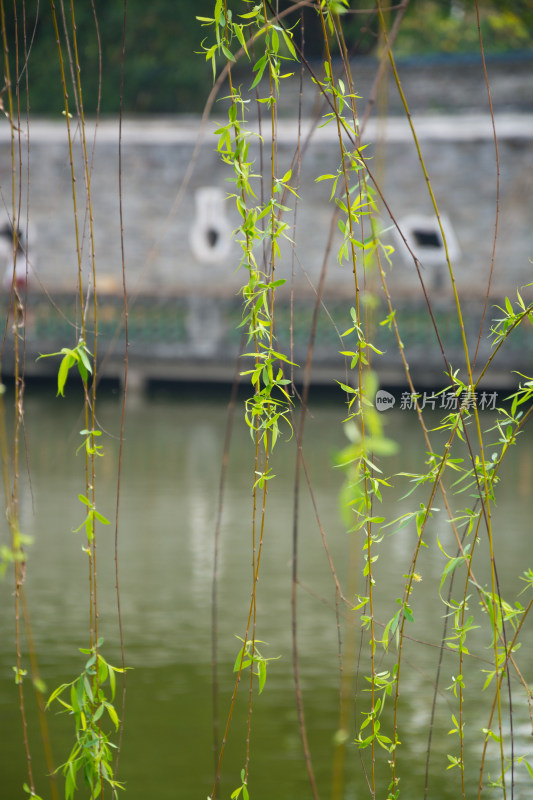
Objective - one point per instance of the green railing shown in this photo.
(170, 329)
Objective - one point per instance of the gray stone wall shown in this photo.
(159, 212)
(177, 239)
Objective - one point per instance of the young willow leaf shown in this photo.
(66, 363)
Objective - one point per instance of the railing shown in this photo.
(197, 337)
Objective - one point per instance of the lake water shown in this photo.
(169, 497)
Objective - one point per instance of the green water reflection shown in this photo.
(168, 507)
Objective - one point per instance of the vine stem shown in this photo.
(11, 492)
(256, 546)
(485, 502)
(125, 386)
(360, 390)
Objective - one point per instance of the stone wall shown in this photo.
(158, 220)
(178, 236)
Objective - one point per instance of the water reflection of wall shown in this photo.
(169, 494)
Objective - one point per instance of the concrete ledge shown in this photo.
(185, 130)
